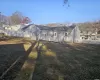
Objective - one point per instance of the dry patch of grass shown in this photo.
(26, 46)
(15, 40)
(46, 66)
(29, 65)
(33, 55)
(48, 52)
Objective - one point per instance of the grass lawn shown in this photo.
(54, 61)
(68, 62)
(12, 49)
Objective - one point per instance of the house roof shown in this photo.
(30, 28)
(24, 28)
(58, 28)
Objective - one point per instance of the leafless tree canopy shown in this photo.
(16, 18)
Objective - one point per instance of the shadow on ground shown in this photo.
(8, 55)
(67, 62)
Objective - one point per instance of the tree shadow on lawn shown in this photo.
(69, 63)
(9, 54)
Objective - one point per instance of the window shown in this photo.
(66, 34)
(82, 37)
(45, 34)
(55, 34)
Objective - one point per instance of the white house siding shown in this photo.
(55, 35)
(70, 37)
(14, 27)
(49, 35)
(74, 35)
(34, 32)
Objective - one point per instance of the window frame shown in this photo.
(66, 34)
(55, 34)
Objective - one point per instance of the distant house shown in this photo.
(56, 34)
(72, 33)
(13, 27)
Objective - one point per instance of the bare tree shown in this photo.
(3, 20)
(16, 18)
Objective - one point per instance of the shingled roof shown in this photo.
(58, 28)
(30, 28)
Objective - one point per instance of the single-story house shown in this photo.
(72, 33)
(56, 34)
